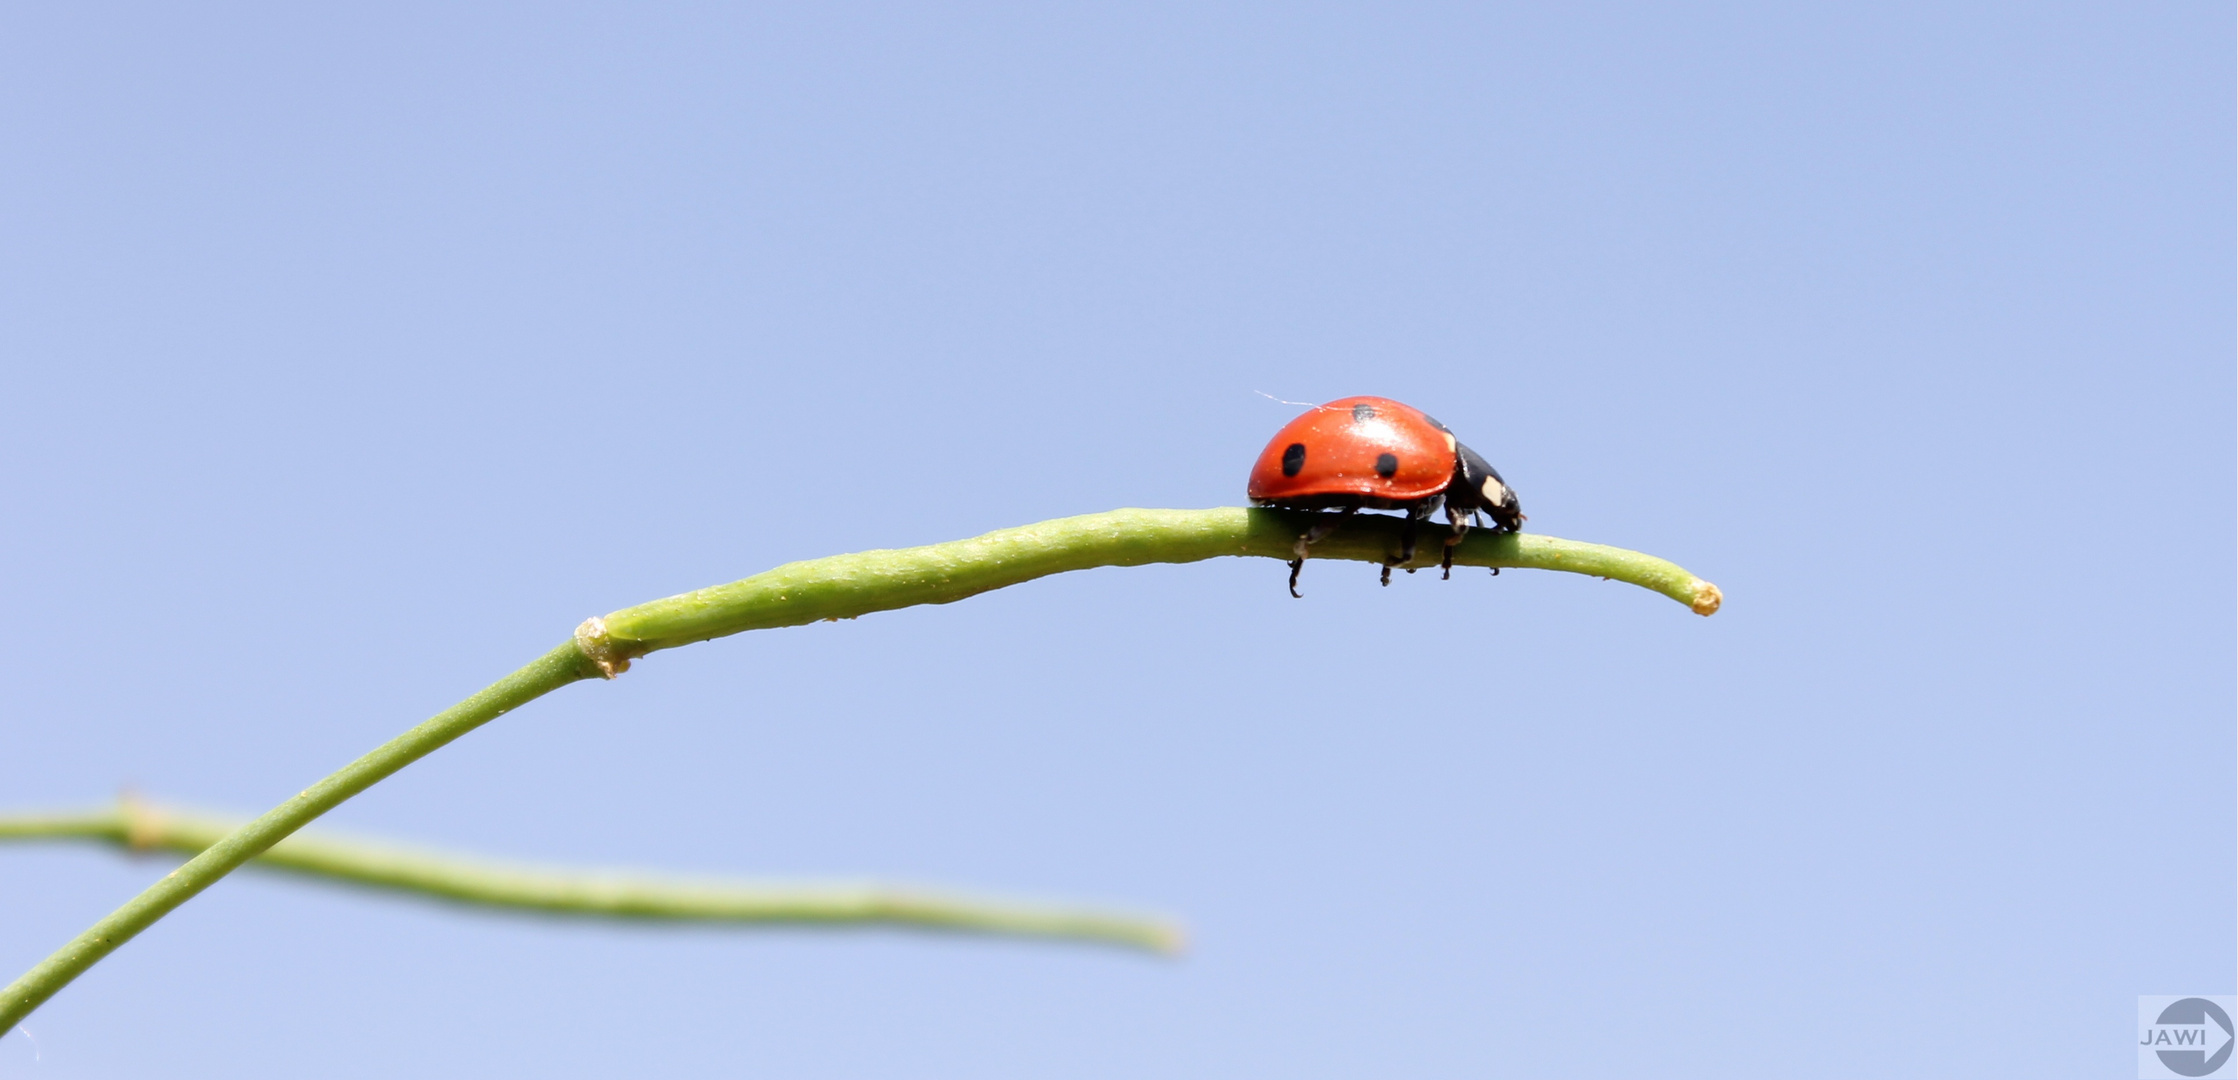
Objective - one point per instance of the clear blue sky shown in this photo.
(351, 359)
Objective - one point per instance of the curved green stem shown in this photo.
(554, 669)
(845, 586)
(481, 882)
(840, 587)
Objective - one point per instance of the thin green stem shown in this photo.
(841, 587)
(845, 586)
(554, 669)
(137, 826)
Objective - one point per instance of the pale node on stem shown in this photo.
(598, 648)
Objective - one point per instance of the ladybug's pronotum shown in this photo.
(1374, 453)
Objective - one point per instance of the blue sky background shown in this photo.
(352, 358)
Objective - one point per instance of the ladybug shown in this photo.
(1374, 453)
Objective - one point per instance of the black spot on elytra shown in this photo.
(1386, 465)
(1361, 414)
(1293, 459)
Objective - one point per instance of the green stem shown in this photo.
(841, 587)
(486, 883)
(844, 586)
(554, 669)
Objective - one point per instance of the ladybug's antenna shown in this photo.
(1286, 401)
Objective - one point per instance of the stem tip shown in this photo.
(1707, 598)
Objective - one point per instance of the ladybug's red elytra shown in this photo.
(1374, 453)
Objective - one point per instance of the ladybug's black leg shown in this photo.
(1460, 522)
(1321, 532)
(1307, 539)
(1475, 517)
(1406, 549)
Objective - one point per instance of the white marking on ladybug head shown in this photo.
(1495, 492)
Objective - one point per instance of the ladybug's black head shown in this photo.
(1477, 486)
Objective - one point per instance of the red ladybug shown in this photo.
(1375, 453)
